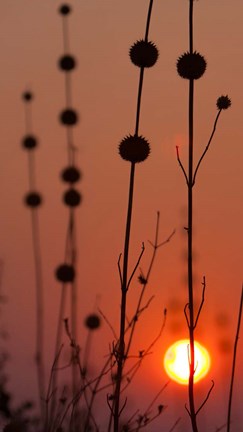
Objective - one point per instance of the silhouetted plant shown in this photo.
(33, 200)
(74, 410)
(191, 66)
(66, 273)
(134, 149)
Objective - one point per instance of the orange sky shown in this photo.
(104, 92)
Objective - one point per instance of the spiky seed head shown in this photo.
(65, 9)
(92, 322)
(191, 65)
(71, 174)
(72, 197)
(67, 63)
(33, 199)
(29, 142)
(69, 117)
(223, 102)
(134, 148)
(27, 96)
(65, 273)
(144, 53)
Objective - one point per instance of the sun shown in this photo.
(176, 362)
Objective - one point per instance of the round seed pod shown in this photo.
(29, 142)
(92, 322)
(71, 174)
(67, 63)
(27, 96)
(223, 102)
(33, 199)
(65, 9)
(72, 198)
(144, 53)
(191, 65)
(134, 148)
(65, 273)
(69, 117)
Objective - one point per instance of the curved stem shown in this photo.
(148, 19)
(234, 361)
(207, 146)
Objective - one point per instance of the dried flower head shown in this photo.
(67, 63)
(33, 199)
(71, 174)
(69, 117)
(142, 280)
(191, 65)
(64, 9)
(65, 273)
(29, 142)
(134, 148)
(27, 96)
(92, 322)
(144, 53)
(223, 102)
(72, 197)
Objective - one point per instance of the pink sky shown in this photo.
(104, 93)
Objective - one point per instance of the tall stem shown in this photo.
(121, 347)
(190, 235)
(190, 262)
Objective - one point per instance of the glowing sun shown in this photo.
(176, 362)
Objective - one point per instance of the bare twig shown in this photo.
(234, 361)
(207, 147)
(181, 165)
(175, 424)
(109, 324)
(202, 301)
(133, 370)
(119, 267)
(145, 279)
(185, 313)
(136, 266)
(206, 399)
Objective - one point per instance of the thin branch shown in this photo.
(133, 370)
(234, 361)
(187, 410)
(167, 240)
(185, 313)
(181, 165)
(119, 267)
(156, 397)
(108, 323)
(155, 246)
(202, 301)
(175, 424)
(207, 147)
(148, 19)
(136, 266)
(206, 399)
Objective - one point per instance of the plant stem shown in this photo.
(234, 361)
(190, 263)
(121, 346)
(190, 236)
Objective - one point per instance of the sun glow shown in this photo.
(176, 361)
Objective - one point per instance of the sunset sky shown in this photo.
(104, 93)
